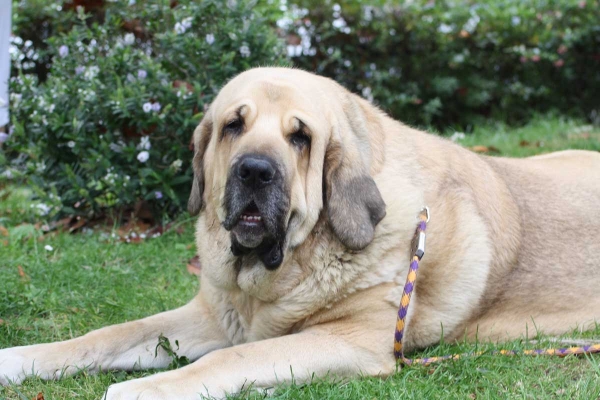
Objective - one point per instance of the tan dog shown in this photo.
(308, 199)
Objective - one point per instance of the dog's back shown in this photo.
(555, 282)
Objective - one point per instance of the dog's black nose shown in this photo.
(255, 171)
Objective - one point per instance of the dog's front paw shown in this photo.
(12, 366)
(142, 389)
(132, 390)
(182, 384)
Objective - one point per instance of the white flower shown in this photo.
(43, 209)
(179, 28)
(245, 51)
(143, 156)
(472, 23)
(115, 147)
(444, 28)
(176, 165)
(147, 107)
(16, 98)
(4, 137)
(515, 20)
(48, 247)
(458, 58)
(210, 38)
(142, 74)
(457, 136)
(63, 51)
(144, 143)
(187, 22)
(367, 93)
(339, 23)
(91, 72)
(156, 107)
(71, 144)
(79, 70)
(131, 2)
(285, 22)
(129, 39)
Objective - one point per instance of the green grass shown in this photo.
(543, 134)
(90, 280)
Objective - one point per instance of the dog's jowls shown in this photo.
(307, 199)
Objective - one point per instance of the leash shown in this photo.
(418, 252)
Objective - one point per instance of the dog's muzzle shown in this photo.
(257, 203)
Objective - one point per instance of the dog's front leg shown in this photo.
(299, 357)
(127, 346)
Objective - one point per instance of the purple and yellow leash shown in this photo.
(409, 287)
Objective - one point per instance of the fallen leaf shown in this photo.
(22, 273)
(40, 396)
(190, 246)
(193, 266)
(524, 143)
(484, 149)
(3, 231)
(80, 222)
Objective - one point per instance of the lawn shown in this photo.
(89, 280)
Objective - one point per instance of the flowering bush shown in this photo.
(111, 124)
(445, 62)
(106, 93)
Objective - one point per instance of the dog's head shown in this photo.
(276, 149)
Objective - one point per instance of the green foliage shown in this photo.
(111, 123)
(176, 360)
(104, 104)
(451, 62)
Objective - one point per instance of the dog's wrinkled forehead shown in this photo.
(272, 90)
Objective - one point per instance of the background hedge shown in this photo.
(455, 62)
(106, 94)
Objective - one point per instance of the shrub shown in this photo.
(446, 62)
(111, 124)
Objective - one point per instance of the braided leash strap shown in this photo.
(409, 286)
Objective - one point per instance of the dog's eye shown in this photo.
(233, 127)
(300, 140)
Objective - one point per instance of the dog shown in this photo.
(308, 198)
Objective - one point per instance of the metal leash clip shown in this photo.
(418, 242)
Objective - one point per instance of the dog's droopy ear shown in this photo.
(354, 203)
(201, 138)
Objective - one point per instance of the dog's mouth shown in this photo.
(255, 216)
(251, 216)
(250, 234)
(249, 227)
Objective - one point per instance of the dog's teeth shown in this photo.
(251, 218)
